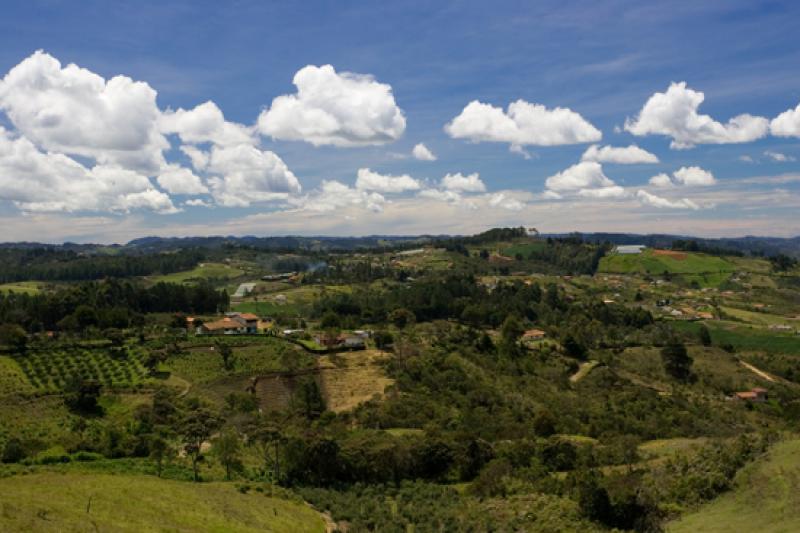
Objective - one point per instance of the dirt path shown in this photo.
(583, 371)
(758, 372)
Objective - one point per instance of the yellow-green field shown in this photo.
(658, 261)
(72, 501)
(25, 287)
(204, 270)
(766, 498)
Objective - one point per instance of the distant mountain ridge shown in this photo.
(150, 244)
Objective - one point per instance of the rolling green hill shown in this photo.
(62, 501)
(766, 498)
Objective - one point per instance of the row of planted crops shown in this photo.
(51, 370)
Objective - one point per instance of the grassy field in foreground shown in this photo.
(205, 270)
(24, 287)
(656, 262)
(766, 498)
(59, 501)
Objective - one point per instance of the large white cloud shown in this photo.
(787, 124)
(660, 202)
(45, 181)
(583, 175)
(422, 153)
(333, 195)
(71, 110)
(694, 177)
(179, 180)
(205, 123)
(330, 108)
(522, 124)
(459, 183)
(243, 175)
(628, 155)
(368, 180)
(674, 114)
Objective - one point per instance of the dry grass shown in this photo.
(350, 379)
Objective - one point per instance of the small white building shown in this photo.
(630, 249)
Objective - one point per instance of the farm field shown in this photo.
(203, 364)
(23, 287)
(658, 261)
(202, 271)
(73, 501)
(766, 498)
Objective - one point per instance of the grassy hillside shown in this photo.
(204, 270)
(59, 501)
(23, 287)
(658, 261)
(766, 498)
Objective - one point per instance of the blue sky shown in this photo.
(602, 61)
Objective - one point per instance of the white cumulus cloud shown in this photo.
(459, 183)
(583, 175)
(334, 108)
(73, 111)
(422, 153)
(660, 202)
(505, 200)
(674, 113)
(694, 177)
(628, 155)
(522, 124)
(179, 180)
(243, 175)
(787, 124)
(661, 180)
(205, 123)
(333, 195)
(367, 180)
(39, 181)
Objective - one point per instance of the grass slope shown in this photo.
(653, 262)
(205, 270)
(22, 287)
(53, 501)
(766, 498)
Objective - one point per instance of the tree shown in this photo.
(308, 399)
(13, 451)
(676, 360)
(330, 320)
(226, 353)
(510, 332)
(544, 423)
(197, 426)
(13, 336)
(82, 394)
(705, 335)
(383, 339)
(160, 449)
(402, 317)
(228, 450)
(268, 440)
(573, 348)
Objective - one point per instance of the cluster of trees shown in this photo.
(54, 264)
(109, 303)
(691, 245)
